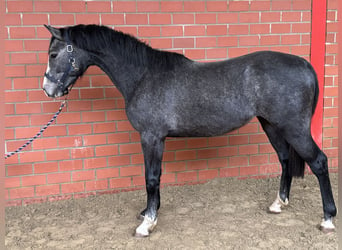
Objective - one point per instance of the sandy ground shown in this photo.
(221, 214)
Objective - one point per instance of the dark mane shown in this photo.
(95, 38)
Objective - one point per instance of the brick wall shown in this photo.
(92, 148)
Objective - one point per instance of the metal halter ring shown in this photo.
(69, 48)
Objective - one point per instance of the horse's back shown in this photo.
(204, 99)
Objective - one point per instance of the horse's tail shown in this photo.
(296, 163)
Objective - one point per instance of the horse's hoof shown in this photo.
(327, 227)
(272, 211)
(140, 235)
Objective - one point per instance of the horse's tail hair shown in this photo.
(296, 164)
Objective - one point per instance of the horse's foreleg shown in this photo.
(153, 152)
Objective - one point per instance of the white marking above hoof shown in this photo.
(327, 226)
(275, 208)
(146, 227)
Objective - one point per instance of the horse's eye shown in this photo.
(53, 55)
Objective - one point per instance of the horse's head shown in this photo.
(66, 63)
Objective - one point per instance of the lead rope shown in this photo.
(39, 133)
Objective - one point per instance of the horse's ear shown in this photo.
(57, 33)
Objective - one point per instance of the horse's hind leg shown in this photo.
(153, 147)
(309, 151)
(282, 148)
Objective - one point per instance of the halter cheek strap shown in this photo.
(72, 66)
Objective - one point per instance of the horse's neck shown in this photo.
(125, 76)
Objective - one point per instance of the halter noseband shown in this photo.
(72, 67)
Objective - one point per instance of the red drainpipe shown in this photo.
(318, 35)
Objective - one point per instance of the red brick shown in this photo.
(119, 160)
(227, 41)
(124, 126)
(161, 43)
(19, 6)
(148, 6)
(217, 6)
(290, 39)
(238, 29)
(228, 18)
(301, 27)
(33, 180)
(58, 154)
(186, 155)
(260, 28)
(88, 18)
(249, 41)
(47, 190)
(17, 170)
(96, 185)
(205, 18)
(148, 31)
(207, 153)
(196, 165)
(110, 19)
(238, 161)
(45, 167)
(249, 17)
(106, 150)
(34, 19)
(61, 19)
(174, 6)
(195, 53)
(93, 116)
(253, 170)
(270, 17)
(291, 17)
(83, 152)
(98, 6)
(132, 148)
(270, 40)
(205, 42)
(15, 96)
(12, 19)
(89, 140)
(168, 178)
(280, 28)
(120, 183)
(79, 129)
(73, 6)
(130, 171)
(13, 45)
(216, 53)
(12, 182)
(207, 174)
(138, 19)
(269, 169)
(216, 30)
(172, 31)
(183, 18)
(83, 175)
(227, 151)
(229, 172)
(260, 5)
(59, 178)
(175, 166)
(95, 163)
(124, 6)
(217, 163)
(17, 193)
(186, 177)
(46, 6)
(281, 5)
(238, 6)
(45, 143)
(107, 173)
(32, 157)
(14, 71)
(72, 187)
(194, 6)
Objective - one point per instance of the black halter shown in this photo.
(72, 67)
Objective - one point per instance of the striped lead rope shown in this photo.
(38, 134)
